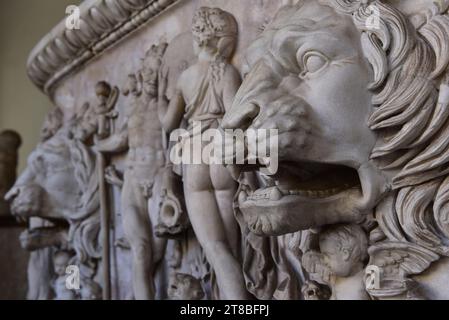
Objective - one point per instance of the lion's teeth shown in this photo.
(314, 193)
(276, 194)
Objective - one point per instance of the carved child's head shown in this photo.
(103, 91)
(215, 30)
(344, 249)
(61, 260)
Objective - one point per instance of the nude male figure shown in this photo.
(142, 136)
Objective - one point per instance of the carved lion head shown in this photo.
(362, 113)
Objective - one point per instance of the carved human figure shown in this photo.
(99, 121)
(142, 136)
(204, 92)
(61, 259)
(341, 261)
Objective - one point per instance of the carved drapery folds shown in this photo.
(358, 92)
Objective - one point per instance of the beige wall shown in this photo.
(22, 106)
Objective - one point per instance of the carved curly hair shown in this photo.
(411, 96)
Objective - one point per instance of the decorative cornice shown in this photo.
(103, 24)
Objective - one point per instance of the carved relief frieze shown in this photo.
(355, 95)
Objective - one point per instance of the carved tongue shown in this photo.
(272, 194)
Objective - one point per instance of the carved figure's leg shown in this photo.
(159, 245)
(225, 189)
(209, 228)
(138, 231)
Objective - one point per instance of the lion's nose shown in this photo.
(241, 117)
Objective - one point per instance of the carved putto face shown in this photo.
(308, 78)
(60, 262)
(103, 91)
(344, 249)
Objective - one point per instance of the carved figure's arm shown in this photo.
(173, 117)
(117, 143)
(170, 112)
(112, 177)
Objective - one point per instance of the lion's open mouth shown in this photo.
(302, 196)
(313, 181)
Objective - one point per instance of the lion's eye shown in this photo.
(313, 62)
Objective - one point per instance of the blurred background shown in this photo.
(22, 109)
(22, 106)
